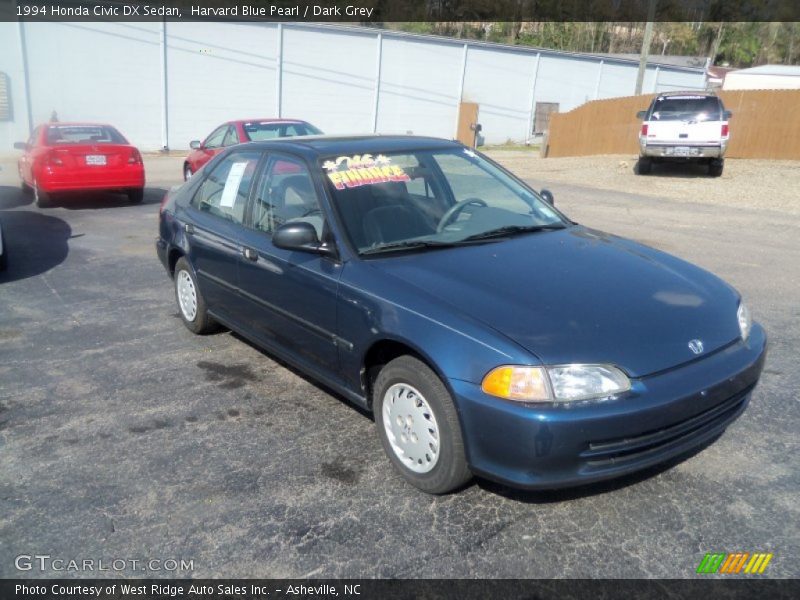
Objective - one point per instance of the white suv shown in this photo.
(686, 127)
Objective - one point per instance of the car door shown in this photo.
(213, 225)
(292, 295)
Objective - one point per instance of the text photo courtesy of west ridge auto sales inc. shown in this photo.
(399, 300)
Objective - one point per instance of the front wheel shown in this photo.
(191, 304)
(418, 426)
(187, 172)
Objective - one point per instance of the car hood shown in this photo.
(580, 296)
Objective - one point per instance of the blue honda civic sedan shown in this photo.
(488, 333)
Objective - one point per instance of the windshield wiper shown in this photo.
(513, 229)
(412, 244)
(408, 244)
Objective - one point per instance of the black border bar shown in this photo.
(380, 11)
(732, 588)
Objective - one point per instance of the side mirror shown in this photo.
(547, 196)
(641, 115)
(726, 115)
(194, 144)
(300, 236)
(20, 146)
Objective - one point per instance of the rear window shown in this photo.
(83, 134)
(258, 132)
(679, 108)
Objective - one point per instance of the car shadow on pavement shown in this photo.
(591, 489)
(13, 197)
(101, 200)
(34, 242)
(676, 170)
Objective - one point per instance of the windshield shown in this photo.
(680, 108)
(431, 198)
(258, 132)
(83, 134)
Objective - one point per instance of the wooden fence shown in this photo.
(765, 124)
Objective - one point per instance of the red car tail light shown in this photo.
(135, 158)
(725, 130)
(644, 129)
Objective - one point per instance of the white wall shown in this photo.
(217, 72)
(96, 72)
(753, 81)
(325, 74)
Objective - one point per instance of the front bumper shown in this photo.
(561, 445)
(678, 151)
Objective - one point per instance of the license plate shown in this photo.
(681, 151)
(95, 159)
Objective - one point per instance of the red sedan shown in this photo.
(64, 157)
(239, 132)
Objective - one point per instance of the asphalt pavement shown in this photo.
(125, 437)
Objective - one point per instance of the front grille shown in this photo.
(612, 452)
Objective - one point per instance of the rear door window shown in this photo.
(681, 108)
(231, 137)
(225, 189)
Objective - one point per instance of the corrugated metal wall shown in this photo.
(342, 79)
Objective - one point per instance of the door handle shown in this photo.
(250, 254)
(188, 228)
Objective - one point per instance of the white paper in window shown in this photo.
(232, 184)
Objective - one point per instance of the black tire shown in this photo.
(43, 199)
(450, 471)
(202, 322)
(644, 166)
(187, 172)
(715, 167)
(26, 189)
(135, 195)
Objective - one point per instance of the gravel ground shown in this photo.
(766, 184)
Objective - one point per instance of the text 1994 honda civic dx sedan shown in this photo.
(488, 333)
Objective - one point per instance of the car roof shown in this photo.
(272, 120)
(698, 93)
(328, 145)
(76, 124)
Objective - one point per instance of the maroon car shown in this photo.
(238, 132)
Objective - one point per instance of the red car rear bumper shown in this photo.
(55, 180)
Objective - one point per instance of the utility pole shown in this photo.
(648, 37)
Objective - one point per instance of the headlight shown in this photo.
(555, 384)
(743, 316)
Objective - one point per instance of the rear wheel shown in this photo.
(644, 166)
(715, 167)
(191, 305)
(43, 199)
(135, 195)
(418, 426)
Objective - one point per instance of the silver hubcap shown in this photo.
(187, 173)
(411, 427)
(187, 295)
